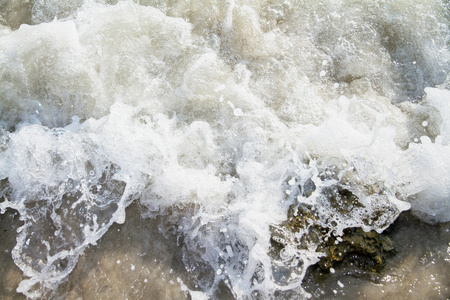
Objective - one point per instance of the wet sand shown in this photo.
(131, 261)
(136, 261)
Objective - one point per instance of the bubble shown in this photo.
(238, 112)
(229, 251)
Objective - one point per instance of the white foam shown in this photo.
(440, 99)
(239, 110)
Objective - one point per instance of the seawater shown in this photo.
(217, 118)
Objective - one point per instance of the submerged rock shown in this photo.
(303, 231)
(371, 247)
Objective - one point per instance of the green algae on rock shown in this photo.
(302, 231)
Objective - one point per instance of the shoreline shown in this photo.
(135, 260)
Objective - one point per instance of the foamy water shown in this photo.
(221, 116)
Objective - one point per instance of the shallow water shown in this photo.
(242, 136)
(136, 261)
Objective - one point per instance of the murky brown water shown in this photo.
(135, 261)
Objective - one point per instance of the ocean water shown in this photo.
(243, 136)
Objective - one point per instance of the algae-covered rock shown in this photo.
(303, 231)
(371, 245)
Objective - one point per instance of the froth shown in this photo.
(221, 117)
